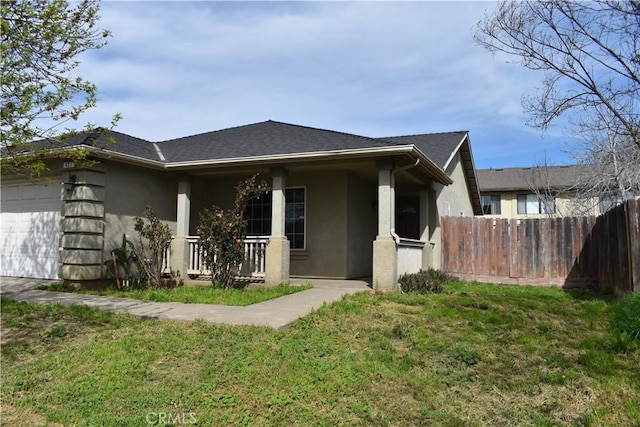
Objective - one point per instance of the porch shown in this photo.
(409, 258)
(320, 222)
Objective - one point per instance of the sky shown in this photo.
(376, 69)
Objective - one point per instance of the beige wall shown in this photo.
(209, 191)
(564, 207)
(340, 225)
(126, 191)
(361, 225)
(451, 200)
(326, 225)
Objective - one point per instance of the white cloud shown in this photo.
(375, 68)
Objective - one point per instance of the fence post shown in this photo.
(513, 249)
(633, 239)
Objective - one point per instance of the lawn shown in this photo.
(200, 294)
(473, 355)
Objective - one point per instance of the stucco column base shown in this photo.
(427, 256)
(179, 256)
(385, 264)
(277, 261)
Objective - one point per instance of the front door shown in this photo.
(408, 217)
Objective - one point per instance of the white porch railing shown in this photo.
(166, 261)
(252, 266)
(409, 255)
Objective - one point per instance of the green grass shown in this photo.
(473, 355)
(191, 294)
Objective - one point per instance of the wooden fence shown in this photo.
(580, 251)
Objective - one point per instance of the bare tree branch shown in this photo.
(589, 52)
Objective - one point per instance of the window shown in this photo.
(258, 216)
(534, 204)
(294, 217)
(491, 204)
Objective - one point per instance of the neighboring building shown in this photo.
(536, 192)
(340, 205)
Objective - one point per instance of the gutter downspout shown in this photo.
(396, 238)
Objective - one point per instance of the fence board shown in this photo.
(566, 251)
(633, 227)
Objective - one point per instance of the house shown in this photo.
(532, 192)
(340, 205)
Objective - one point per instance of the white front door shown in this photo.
(30, 230)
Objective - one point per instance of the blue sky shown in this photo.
(377, 69)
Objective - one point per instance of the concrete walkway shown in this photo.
(275, 313)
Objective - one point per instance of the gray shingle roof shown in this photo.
(262, 139)
(269, 138)
(437, 146)
(111, 141)
(514, 179)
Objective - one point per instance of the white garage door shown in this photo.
(30, 230)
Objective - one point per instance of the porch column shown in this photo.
(180, 246)
(277, 252)
(385, 255)
(427, 251)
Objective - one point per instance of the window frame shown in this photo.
(266, 217)
(492, 201)
(304, 218)
(542, 202)
(267, 194)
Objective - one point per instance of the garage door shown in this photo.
(30, 230)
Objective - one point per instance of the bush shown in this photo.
(625, 315)
(155, 238)
(122, 262)
(424, 281)
(222, 232)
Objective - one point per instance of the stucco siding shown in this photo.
(127, 188)
(361, 226)
(565, 206)
(451, 200)
(325, 254)
(209, 191)
(326, 207)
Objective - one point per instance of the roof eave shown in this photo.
(294, 157)
(438, 174)
(471, 175)
(111, 155)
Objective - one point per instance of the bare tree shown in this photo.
(607, 173)
(589, 53)
(614, 167)
(543, 181)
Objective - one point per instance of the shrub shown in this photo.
(424, 281)
(123, 258)
(137, 281)
(155, 238)
(222, 232)
(625, 315)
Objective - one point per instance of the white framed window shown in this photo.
(529, 204)
(294, 219)
(491, 204)
(258, 216)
